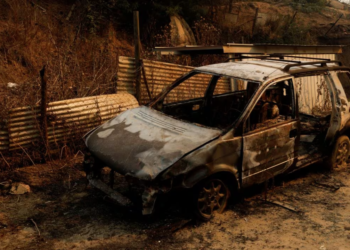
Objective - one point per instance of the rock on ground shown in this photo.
(20, 188)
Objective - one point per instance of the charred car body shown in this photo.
(217, 142)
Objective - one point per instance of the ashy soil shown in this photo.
(62, 212)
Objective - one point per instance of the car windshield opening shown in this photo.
(206, 99)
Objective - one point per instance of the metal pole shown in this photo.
(137, 55)
(145, 80)
(43, 117)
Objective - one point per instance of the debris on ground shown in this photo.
(5, 187)
(19, 188)
(283, 204)
(168, 228)
(3, 221)
(330, 187)
(55, 217)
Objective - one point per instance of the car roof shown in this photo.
(254, 70)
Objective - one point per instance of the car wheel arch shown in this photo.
(230, 176)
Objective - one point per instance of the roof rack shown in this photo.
(305, 57)
(281, 60)
(264, 57)
(244, 57)
(322, 64)
(322, 61)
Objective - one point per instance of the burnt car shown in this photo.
(247, 122)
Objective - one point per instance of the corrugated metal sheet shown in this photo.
(23, 126)
(4, 137)
(66, 118)
(159, 75)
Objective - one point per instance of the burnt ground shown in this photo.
(70, 216)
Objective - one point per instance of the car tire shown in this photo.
(340, 152)
(209, 197)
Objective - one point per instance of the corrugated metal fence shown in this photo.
(70, 117)
(4, 137)
(66, 119)
(159, 75)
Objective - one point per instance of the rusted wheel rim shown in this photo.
(212, 198)
(342, 153)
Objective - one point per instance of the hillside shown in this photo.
(80, 42)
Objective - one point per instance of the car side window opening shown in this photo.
(192, 88)
(228, 104)
(274, 106)
(313, 95)
(208, 100)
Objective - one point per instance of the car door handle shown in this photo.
(293, 133)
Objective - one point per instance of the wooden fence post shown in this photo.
(137, 55)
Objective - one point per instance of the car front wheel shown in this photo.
(210, 197)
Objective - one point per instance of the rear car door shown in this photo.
(271, 130)
(341, 81)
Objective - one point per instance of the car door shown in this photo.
(340, 80)
(271, 130)
(320, 100)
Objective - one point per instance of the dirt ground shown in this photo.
(61, 213)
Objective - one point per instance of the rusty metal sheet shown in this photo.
(160, 75)
(4, 138)
(65, 118)
(281, 49)
(23, 126)
(238, 48)
(143, 142)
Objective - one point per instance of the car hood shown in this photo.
(143, 142)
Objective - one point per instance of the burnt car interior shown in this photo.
(274, 106)
(210, 106)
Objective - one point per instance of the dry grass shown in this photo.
(78, 64)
